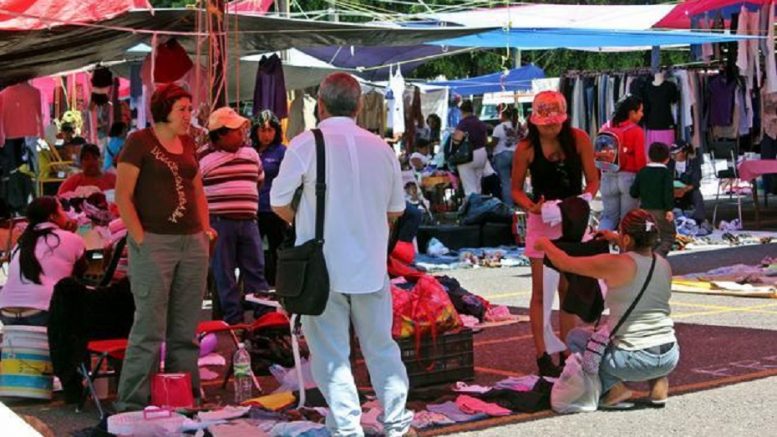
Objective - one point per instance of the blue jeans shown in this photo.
(503, 164)
(40, 319)
(620, 365)
(238, 245)
(616, 200)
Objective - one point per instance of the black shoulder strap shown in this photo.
(636, 299)
(320, 184)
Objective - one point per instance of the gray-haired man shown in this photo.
(364, 191)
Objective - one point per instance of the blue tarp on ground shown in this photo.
(584, 38)
(518, 79)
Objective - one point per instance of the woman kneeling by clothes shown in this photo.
(46, 252)
(645, 347)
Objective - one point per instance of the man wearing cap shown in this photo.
(232, 173)
(685, 166)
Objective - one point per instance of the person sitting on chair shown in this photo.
(91, 174)
(685, 165)
(46, 252)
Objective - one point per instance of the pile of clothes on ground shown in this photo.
(439, 258)
(739, 279)
(277, 415)
(722, 239)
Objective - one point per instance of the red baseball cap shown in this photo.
(549, 107)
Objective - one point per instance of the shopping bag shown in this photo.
(172, 390)
(575, 391)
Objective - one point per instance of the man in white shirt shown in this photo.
(363, 193)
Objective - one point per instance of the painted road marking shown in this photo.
(748, 309)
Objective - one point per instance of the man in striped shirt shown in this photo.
(232, 173)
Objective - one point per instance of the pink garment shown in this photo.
(21, 112)
(661, 136)
(535, 229)
(470, 405)
(752, 168)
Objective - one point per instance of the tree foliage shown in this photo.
(554, 62)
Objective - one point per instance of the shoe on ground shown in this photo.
(616, 398)
(547, 367)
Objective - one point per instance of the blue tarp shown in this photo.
(518, 79)
(552, 38)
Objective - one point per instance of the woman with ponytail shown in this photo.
(46, 252)
(644, 348)
(632, 157)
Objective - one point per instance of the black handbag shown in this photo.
(461, 153)
(302, 279)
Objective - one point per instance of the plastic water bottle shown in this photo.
(243, 381)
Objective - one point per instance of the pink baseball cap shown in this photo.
(549, 107)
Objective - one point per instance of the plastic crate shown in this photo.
(448, 358)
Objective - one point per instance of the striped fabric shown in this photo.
(231, 182)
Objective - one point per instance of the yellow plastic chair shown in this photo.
(53, 169)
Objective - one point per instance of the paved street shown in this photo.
(734, 410)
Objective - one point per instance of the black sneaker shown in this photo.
(546, 366)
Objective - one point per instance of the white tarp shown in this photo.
(632, 17)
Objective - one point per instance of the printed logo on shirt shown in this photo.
(180, 209)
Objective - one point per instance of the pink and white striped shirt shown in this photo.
(232, 181)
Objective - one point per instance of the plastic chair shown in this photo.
(50, 165)
(101, 349)
(728, 176)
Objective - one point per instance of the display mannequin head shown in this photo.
(658, 77)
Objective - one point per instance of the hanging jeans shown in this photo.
(503, 164)
(328, 337)
(616, 200)
(621, 365)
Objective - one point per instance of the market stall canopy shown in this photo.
(33, 53)
(549, 38)
(630, 17)
(680, 16)
(375, 63)
(40, 14)
(519, 79)
(249, 7)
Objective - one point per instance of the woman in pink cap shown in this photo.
(557, 156)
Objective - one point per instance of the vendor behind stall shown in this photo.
(91, 174)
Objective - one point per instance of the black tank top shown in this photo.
(555, 180)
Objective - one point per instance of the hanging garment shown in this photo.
(373, 114)
(721, 104)
(301, 114)
(270, 87)
(658, 100)
(396, 103)
(770, 64)
(21, 114)
(665, 136)
(742, 26)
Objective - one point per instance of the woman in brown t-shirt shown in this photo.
(162, 203)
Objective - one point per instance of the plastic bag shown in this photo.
(575, 391)
(288, 377)
(426, 309)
